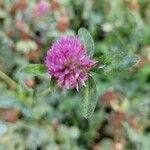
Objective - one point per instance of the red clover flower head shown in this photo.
(68, 62)
(42, 8)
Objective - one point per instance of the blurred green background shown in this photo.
(36, 115)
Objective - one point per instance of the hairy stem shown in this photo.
(10, 82)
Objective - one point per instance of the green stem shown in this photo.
(11, 83)
(120, 40)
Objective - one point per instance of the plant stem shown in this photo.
(10, 82)
(120, 40)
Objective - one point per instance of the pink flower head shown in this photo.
(68, 62)
(42, 8)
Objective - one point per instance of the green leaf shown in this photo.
(3, 14)
(9, 102)
(88, 98)
(34, 69)
(128, 61)
(87, 39)
(116, 62)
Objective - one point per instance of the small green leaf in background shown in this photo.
(87, 39)
(9, 102)
(26, 46)
(34, 69)
(88, 98)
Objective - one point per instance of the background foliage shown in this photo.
(36, 114)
